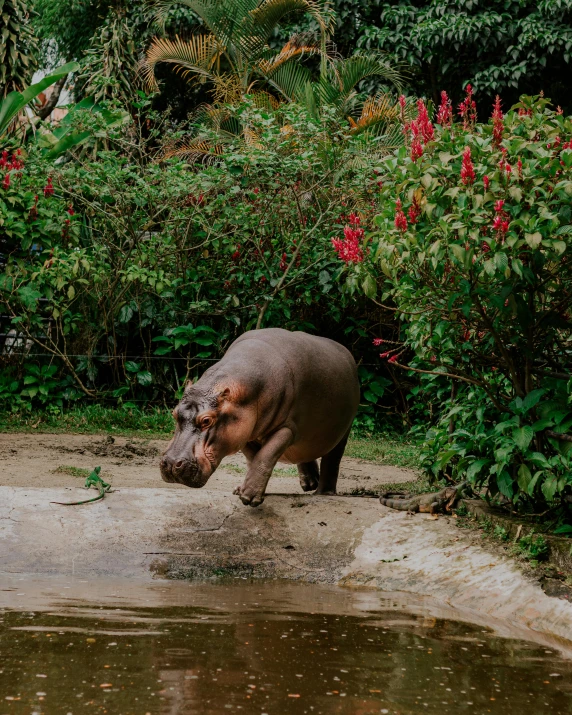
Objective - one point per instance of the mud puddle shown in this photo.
(261, 648)
(108, 447)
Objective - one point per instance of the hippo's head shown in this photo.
(205, 432)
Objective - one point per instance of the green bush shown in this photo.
(165, 262)
(473, 248)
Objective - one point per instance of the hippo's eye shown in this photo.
(205, 422)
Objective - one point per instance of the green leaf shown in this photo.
(533, 239)
(476, 467)
(505, 484)
(549, 488)
(563, 529)
(369, 286)
(144, 378)
(131, 366)
(15, 102)
(524, 477)
(369, 396)
(532, 399)
(523, 437)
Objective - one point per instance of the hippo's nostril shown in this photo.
(179, 465)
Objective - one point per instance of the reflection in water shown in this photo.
(255, 657)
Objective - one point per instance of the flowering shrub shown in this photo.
(474, 248)
(129, 257)
(30, 215)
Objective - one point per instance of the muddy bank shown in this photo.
(34, 459)
(156, 531)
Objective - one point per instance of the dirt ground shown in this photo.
(48, 460)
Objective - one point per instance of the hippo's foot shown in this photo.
(308, 483)
(309, 474)
(248, 498)
(325, 493)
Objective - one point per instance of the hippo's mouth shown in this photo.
(189, 474)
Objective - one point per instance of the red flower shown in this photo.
(48, 188)
(445, 113)
(499, 205)
(416, 148)
(6, 182)
(349, 248)
(519, 168)
(424, 123)
(498, 122)
(384, 355)
(433, 358)
(402, 106)
(414, 211)
(400, 220)
(256, 190)
(71, 212)
(467, 168)
(377, 341)
(486, 182)
(354, 219)
(468, 109)
(393, 358)
(284, 262)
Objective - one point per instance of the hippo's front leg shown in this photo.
(260, 467)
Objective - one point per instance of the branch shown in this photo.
(45, 111)
(470, 380)
(561, 437)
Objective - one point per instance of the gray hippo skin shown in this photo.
(276, 396)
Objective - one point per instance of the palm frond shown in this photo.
(270, 12)
(262, 99)
(289, 79)
(260, 25)
(382, 108)
(194, 56)
(296, 46)
(352, 71)
(195, 150)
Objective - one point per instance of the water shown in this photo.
(261, 648)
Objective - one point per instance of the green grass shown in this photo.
(72, 471)
(93, 419)
(156, 423)
(395, 450)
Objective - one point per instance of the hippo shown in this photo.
(275, 396)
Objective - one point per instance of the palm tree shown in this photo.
(338, 87)
(233, 54)
(18, 46)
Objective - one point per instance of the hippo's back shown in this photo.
(321, 377)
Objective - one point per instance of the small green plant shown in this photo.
(533, 547)
(462, 510)
(500, 533)
(72, 471)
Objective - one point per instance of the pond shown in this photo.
(255, 647)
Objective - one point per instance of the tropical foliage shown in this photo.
(141, 261)
(472, 247)
(504, 46)
(18, 46)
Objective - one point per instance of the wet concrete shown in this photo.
(158, 531)
(196, 534)
(118, 646)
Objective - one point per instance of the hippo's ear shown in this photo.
(223, 394)
(188, 385)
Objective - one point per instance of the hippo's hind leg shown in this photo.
(309, 474)
(330, 467)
